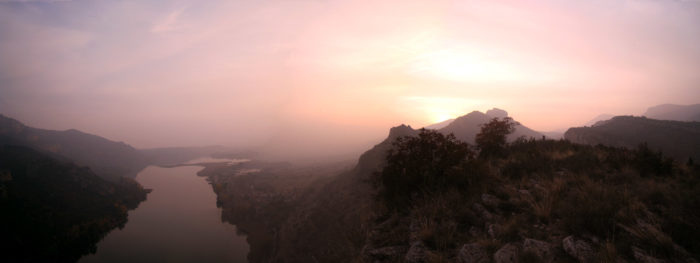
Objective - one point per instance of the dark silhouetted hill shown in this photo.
(674, 112)
(56, 211)
(108, 159)
(677, 139)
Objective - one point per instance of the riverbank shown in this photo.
(179, 222)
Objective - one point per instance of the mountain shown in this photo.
(439, 125)
(108, 159)
(466, 127)
(328, 220)
(56, 211)
(674, 112)
(677, 139)
(602, 117)
(486, 209)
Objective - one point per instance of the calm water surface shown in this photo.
(179, 222)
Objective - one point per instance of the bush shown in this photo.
(491, 140)
(431, 162)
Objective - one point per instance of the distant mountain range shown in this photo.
(108, 159)
(674, 112)
(677, 139)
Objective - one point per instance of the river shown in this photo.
(179, 222)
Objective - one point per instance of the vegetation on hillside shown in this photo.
(623, 204)
(423, 196)
(55, 211)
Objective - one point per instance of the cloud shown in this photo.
(169, 23)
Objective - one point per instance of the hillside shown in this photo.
(631, 205)
(106, 158)
(56, 211)
(680, 140)
(674, 112)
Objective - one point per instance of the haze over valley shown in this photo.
(349, 131)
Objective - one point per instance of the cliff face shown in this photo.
(680, 140)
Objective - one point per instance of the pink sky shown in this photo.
(336, 74)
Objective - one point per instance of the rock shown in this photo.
(489, 200)
(643, 257)
(472, 253)
(416, 253)
(578, 249)
(507, 254)
(542, 249)
(497, 113)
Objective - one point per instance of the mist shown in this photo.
(322, 78)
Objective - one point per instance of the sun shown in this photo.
(440, 117)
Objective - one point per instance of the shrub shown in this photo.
(431, 162)
(491, 140)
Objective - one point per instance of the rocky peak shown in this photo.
(497, 113)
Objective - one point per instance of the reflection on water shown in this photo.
(178, 223)
(217, 160)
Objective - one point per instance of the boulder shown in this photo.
(578, 248)
(506, 254)
(472, 253)
(542, 249)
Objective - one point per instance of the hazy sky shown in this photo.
(336, 73)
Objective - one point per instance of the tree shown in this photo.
(416, 165)
(491, 140)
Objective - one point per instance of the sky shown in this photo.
(335, 75)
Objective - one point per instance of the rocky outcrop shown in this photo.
(472, 253)
(506, 254)
(543, 250)
(578, 249)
